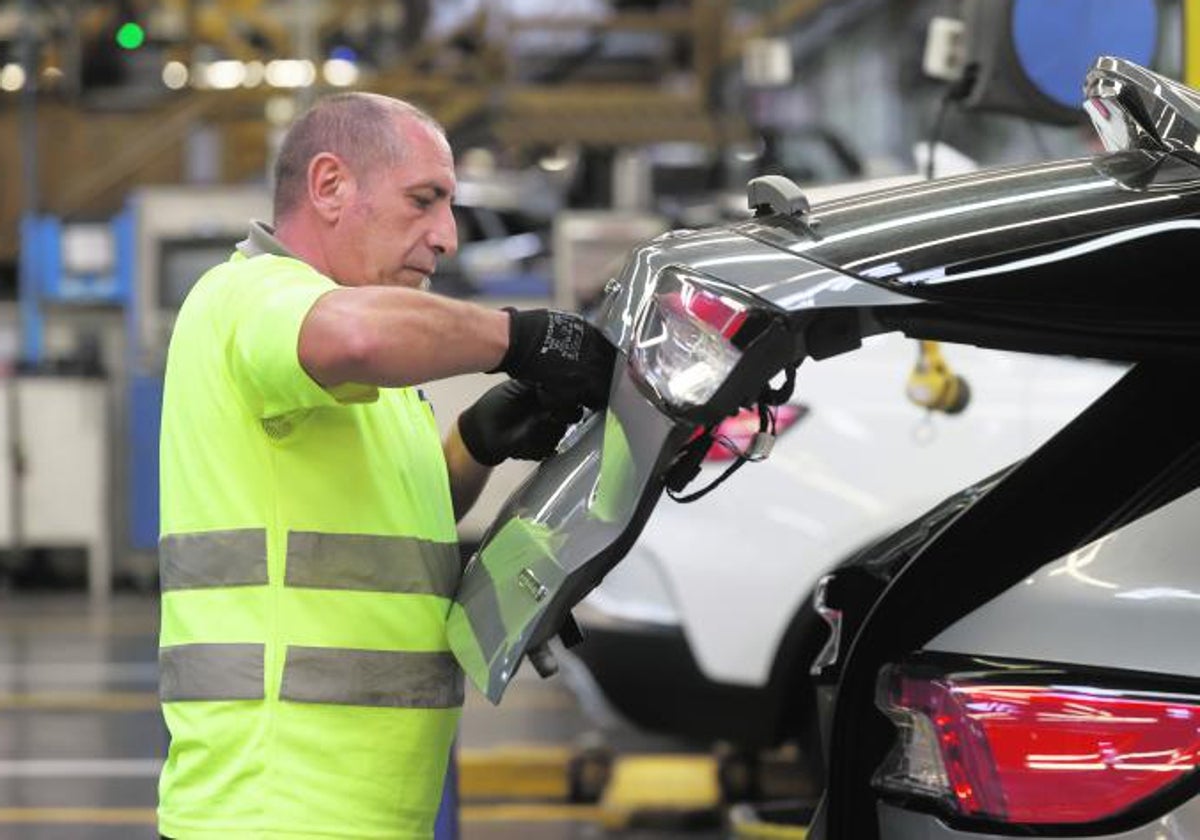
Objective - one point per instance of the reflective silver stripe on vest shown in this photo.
(213, 558)
(398, 679)
(210, 672)
(371, 563)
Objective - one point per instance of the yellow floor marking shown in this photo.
(530, 813)
(76, 701)
(660, 783)
(513, 772)
(769, 831)
(83, 816)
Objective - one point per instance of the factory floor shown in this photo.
(81, 742)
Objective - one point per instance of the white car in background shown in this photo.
(706, 629)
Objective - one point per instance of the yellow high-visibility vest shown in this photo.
(308, 556)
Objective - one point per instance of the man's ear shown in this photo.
(331, 185)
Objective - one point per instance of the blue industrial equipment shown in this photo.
(94, 264)
(1026, 57)
(1056, 43)
(85, 263)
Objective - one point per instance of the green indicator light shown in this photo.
(130, 36)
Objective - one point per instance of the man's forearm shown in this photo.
(394, 337)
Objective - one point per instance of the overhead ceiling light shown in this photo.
(175, 75)
(256, 72)
(340, 72)
(225, 75)
(291, 73)
(198, 75)
(12, 77)
(554, 162)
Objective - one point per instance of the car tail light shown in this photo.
(687, 339)
(1037, 747)
(739, 430)
(712, 309)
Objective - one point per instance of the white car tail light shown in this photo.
(1039, 747)
(685, 345)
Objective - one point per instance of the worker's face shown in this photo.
(400, 221)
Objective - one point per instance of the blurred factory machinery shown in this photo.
(143, 133)
(137, 137)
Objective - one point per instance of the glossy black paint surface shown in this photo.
(914, 238)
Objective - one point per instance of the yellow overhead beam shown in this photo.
(1191, 43)
(602, 115)
(167, 132)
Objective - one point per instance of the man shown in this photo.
(308, 547)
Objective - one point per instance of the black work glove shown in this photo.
(562, 352)
(515, 420)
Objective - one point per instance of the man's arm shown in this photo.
(393, 337)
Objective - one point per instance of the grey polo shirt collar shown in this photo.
(261, 240)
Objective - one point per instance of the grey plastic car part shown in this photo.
(776, 194)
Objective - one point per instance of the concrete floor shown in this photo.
(81, 739)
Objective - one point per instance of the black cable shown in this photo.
(768, 399)
(955, 92)
(704, 491)
(936, 131)
(766, 423)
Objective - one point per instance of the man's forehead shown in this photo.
(417, 134)
(427, 161)
(414, 129)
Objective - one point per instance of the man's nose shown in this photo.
(443, 236)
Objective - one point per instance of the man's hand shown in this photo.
(515, 419)
(562, 352)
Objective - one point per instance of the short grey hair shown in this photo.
(360, 128)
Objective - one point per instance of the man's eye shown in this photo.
(424, 202)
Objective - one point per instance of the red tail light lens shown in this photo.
(1052, 750)
(722, 314)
